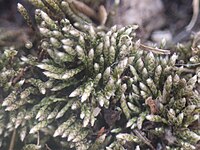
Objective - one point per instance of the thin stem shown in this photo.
(12, 142)
(38, 138)
(143, 138)
(154, 50)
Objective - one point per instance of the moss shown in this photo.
(97, 89)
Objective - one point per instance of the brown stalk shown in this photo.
(12, 142)
(155, 50)
(143, 138)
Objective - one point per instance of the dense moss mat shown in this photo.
(88, 87)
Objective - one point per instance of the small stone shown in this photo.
(158, 36)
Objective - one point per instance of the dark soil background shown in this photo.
(175, 13)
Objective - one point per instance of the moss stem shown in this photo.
(12, 142)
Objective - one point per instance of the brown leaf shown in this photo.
(101, 132)
(19, 76)
(152, 104)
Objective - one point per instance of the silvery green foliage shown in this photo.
(10, 68)
(99, 90)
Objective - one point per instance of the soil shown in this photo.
(151, 15)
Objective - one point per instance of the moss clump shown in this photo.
(97, 89)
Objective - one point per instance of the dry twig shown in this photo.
(143, 138)
(154, 50)
(12, 142)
